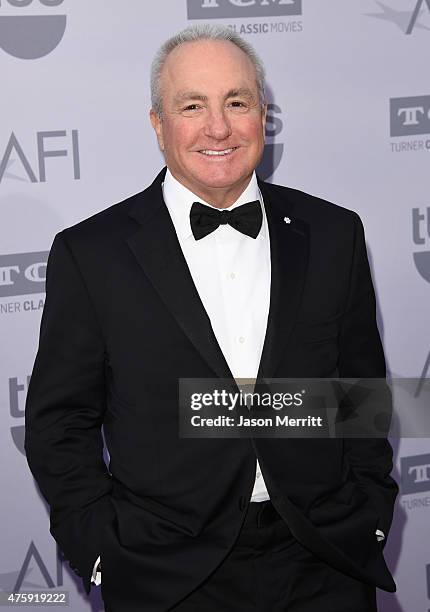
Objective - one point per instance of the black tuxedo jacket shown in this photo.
(122, 322)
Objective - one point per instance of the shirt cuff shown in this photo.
(380, 535)
(97, 575)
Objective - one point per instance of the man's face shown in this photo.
(210, 104)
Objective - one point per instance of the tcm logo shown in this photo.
(218, 9)
(23, 273)
(415, 474)
(17, 395)
(273, 151)
(408, 20)
(30, 36)
(421, 236)
(410, 116)
(14, 151)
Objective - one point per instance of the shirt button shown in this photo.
(232, 275)
(241, 339)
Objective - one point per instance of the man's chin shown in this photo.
(220, 180)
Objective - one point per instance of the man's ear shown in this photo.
(158, 127)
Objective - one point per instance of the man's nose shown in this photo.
(218, 125)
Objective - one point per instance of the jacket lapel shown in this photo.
(157, 249)
(289, 251)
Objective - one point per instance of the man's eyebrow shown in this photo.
(190, 95)
(195, 95)
(240, 92)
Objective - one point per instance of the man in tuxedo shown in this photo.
(210, 272)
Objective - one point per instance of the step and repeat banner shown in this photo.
(349, 121)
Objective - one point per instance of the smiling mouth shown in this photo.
(215, 153)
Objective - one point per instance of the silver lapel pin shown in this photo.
(287, 219)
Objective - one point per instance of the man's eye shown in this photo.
(191, 107)
(238, 104)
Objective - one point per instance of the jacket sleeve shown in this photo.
(64, 413)
(361, 356)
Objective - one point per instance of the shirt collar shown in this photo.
(179, 200)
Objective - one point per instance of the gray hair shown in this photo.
(195, 33)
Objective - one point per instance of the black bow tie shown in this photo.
(246, 218)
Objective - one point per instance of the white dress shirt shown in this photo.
(231, 272)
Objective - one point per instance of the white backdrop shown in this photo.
(349, 122)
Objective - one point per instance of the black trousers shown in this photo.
(268, 570)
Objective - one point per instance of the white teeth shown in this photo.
(210, 152)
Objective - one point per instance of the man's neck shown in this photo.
(218, 197)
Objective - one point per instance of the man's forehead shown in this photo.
(188, 79)
(206, 52)
(194, 47)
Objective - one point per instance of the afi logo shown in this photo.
(410, 116)
(216, 9)
(415, 473)
(23, 273)
(32, 557)
(416, 13)
(14, 150)
(405, 20)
